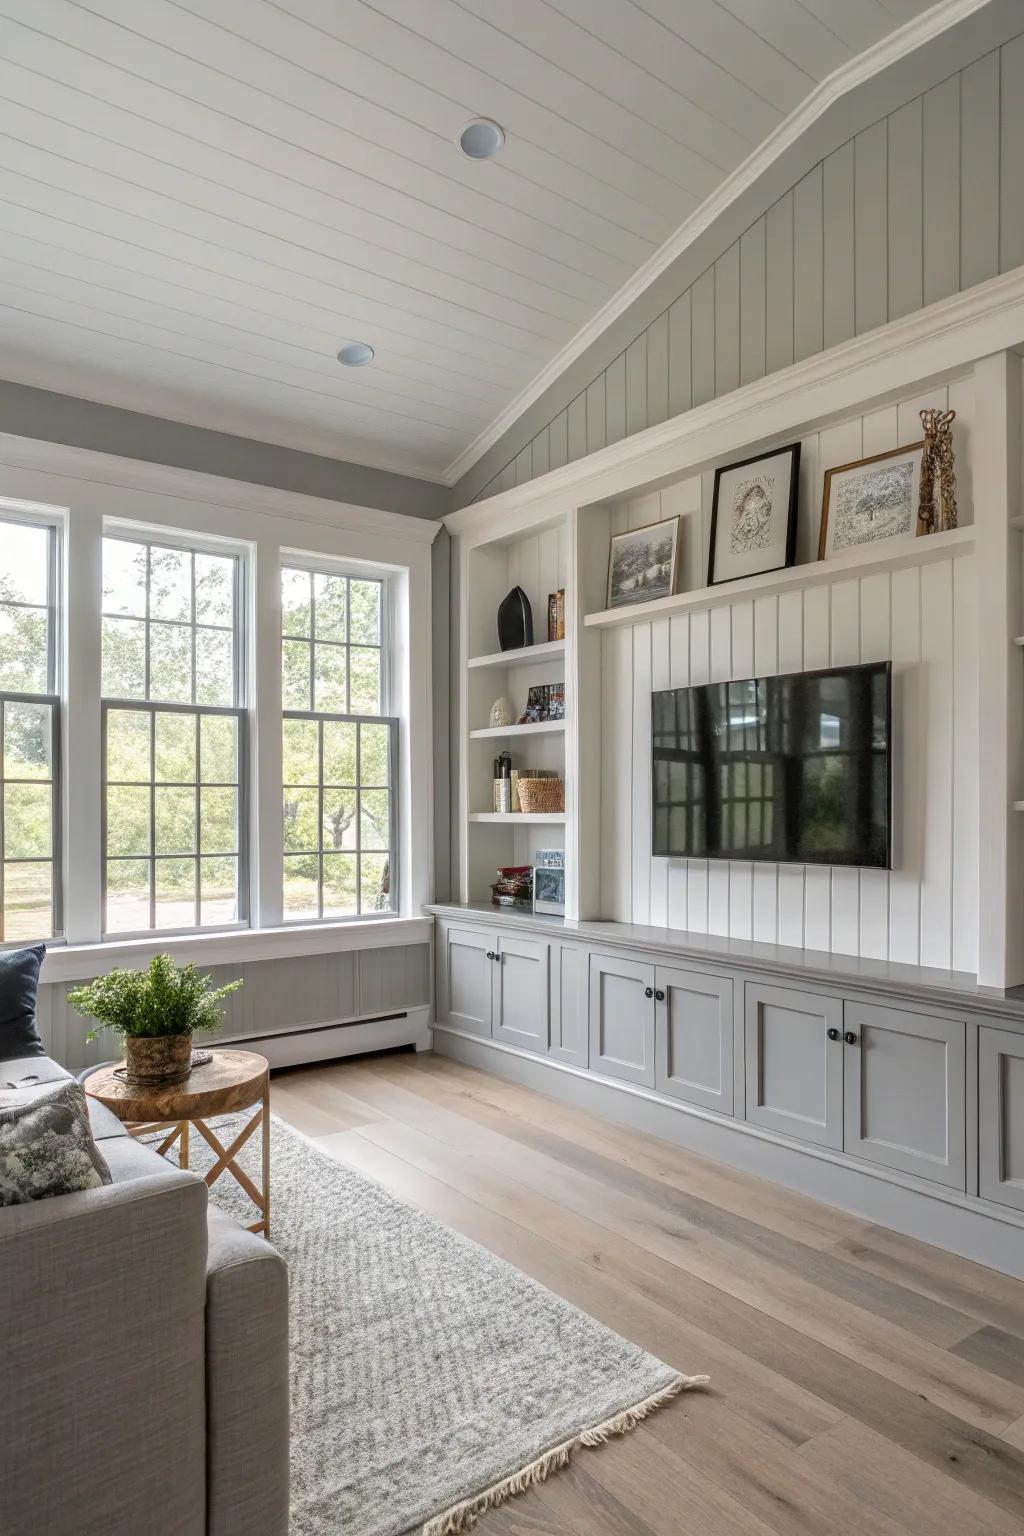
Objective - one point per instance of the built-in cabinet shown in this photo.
(924, 1090)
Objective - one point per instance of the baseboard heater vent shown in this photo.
(311, 1029)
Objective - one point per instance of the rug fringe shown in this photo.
(462, 1517)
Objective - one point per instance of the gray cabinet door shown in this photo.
(622, 1019)
(793, 1070)
(905, 1091)
(569, 1025)
(469, 978)
(1001, 1116)
(693, 1037)
(521, 992)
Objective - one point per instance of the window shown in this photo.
(29, 733)
(339, 748)
(174, 740)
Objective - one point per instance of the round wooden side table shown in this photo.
(231, 1081)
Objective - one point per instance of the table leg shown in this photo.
(266, 1161)
(183, 1147)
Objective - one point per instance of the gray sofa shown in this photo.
(143, 1355)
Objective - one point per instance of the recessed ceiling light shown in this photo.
(481, 139)
(356, 354)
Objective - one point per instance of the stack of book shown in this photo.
(514, 886)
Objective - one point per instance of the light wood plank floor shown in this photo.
(861, 1382)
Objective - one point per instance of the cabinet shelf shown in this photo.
(518, 818)
(890, 556)
(531, 728)
(526, 655)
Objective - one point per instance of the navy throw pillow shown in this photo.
(19, 983)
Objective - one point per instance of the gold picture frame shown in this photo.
(893, 498)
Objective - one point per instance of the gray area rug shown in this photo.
(430, 1379)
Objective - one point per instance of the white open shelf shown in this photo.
(864, 562)
(531, 728)
(520, 818)
(525, 656)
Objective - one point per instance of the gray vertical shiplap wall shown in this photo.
(920, 204)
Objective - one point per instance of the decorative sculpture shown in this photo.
(937, 463)
(501, 713)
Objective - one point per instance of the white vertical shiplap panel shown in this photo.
(965, 767)
(644, 510)
(845, 651)
(880, 430)
(741, 871)
(679, 677)
(817, 877)
(697, 869)
(875, 645)
(937, 678)
(908, 769)
(551, 573)
(791, 876)
(616, 779)
(908, 413)
(660, 678)
(765, 902)
(718, 870)
(809, 514)
(641, 774)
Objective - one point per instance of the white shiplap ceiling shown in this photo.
(201, 200)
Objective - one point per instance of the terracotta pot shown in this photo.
(157, 1061)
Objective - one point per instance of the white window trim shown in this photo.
(88, 490)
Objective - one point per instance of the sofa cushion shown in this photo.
(19, 983)
(46, 1146)
(104, 1122)
(30, 1072)
(130, 1159)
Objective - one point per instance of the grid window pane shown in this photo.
(373, 754)
(295, 676)
(339, 752)
(28, 741)
(301, 886)
(301, 809)
(28, 821)
(28, 902)
(128, 885)
(374, 883)
(24, 658)
(296, 606)
(300, 751)
(329, 687)
(174, 776)
(330, 607)
(175, 893)
(364, 680)
(341, 874)
(374, 814)
(364, 602)
(341, 829)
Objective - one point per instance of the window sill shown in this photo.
(81, 962)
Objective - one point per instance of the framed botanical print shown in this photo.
(644, 563)
(753, 515)
(870, 501)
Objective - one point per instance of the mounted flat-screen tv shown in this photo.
(793, 769)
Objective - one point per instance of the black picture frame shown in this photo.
(793, 450)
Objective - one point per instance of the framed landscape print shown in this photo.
(644, 563)
(871, 500)
(753, 515)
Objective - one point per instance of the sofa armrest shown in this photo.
(101, 1359)
(246, 1383)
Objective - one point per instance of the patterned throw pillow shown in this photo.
(46, 1146)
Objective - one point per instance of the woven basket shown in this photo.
(540, 797)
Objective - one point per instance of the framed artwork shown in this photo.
(644, 563)
(871, 500)
(753, 515)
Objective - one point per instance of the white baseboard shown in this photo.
(293, 1048)
(975, 1229)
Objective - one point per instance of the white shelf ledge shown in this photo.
(530, 728)
(525, 656)
(864, 562)
(518, 817)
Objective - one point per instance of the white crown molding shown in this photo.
(941, 340)
(142, 399)
(195, 486)
(889, 50)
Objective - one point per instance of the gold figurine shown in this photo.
(937, 463)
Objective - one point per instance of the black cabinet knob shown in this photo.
(833, 1034)
(659, 996)
(850, 1037)
(491, 955)
(648, 991)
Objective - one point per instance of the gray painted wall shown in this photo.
(907, 190)
(29, 412)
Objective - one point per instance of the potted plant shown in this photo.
(156, 1012)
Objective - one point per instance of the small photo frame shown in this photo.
(753, 516)
(643, 564)
(871, 501)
